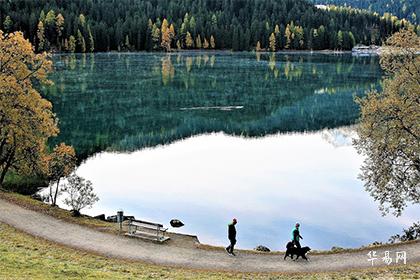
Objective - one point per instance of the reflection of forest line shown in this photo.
(130, 101)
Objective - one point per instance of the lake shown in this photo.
(207, 136)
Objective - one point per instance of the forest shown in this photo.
(165, 25)
(408, 9)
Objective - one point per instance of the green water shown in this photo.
(128, 101)
(263, 138)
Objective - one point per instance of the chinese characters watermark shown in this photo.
(388, 258)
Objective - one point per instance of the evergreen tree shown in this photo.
(198, 42)
(59, 26)
(189, 43)
(340, 39)
(155, 36)
(272, 43)
(72, 44)
(289, 37)
(80, 42)
(206, 44)
(8, 24)
(258, 47)
(91, 41)
(50, 26)
(42, 44)
(212, 42)
(232, 25)
(166, 36)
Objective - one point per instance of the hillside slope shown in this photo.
(100, 25)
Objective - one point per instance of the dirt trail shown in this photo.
(84, 238)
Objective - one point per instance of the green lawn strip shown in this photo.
(26, 257)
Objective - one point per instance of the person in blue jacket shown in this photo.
(296, 236)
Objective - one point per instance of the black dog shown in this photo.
(291, 250)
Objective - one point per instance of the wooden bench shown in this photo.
(147, 230)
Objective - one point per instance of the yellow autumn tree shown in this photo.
(258, 47)
(59, 164)
(389, 129)
(166, 36)
(212, 42)
(189, 43)
(289, 36)
(26, 119)
(198, 42)
(206, 44)
(59, 25)
(40, 35)
(272, 42)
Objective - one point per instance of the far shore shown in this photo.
(328, 52)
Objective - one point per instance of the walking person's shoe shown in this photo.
(233, 254)
(227, 250)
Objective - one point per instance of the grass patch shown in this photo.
(24, 184)
(56, 212)
(26, 257)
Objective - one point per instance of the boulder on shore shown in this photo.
(262, 248)
(176, 223)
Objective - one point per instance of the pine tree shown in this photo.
(65, 46)
(272, 42)
(82, 20)
(212, 42)
(172, 32)
(91, 41)
(299, 37)
(288, 35)
(166, 36)
(40, 34)
(42, 16)
(72, 44)
(8, 24)
(276, 29)
(189, 43)
(352, 40)
(340, 40)
(81, 45)
(206, 44)
(127, 44)
(198, 44)
(155, 36)
(59, 26)
(258, 47)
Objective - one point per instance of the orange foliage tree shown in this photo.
(26, 119)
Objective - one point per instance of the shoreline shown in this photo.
(179, 239)
(327, 52)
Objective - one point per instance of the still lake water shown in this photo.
(204, 137)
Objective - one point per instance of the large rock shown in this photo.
(176, 223)
(262, 248)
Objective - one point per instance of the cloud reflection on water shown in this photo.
(268, 183)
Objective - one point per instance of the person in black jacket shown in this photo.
(231, 237)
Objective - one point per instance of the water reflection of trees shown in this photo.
(130, 101)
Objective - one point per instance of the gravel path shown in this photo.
(84, 238)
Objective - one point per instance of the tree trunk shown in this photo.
(56, 193)
(6, 168)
